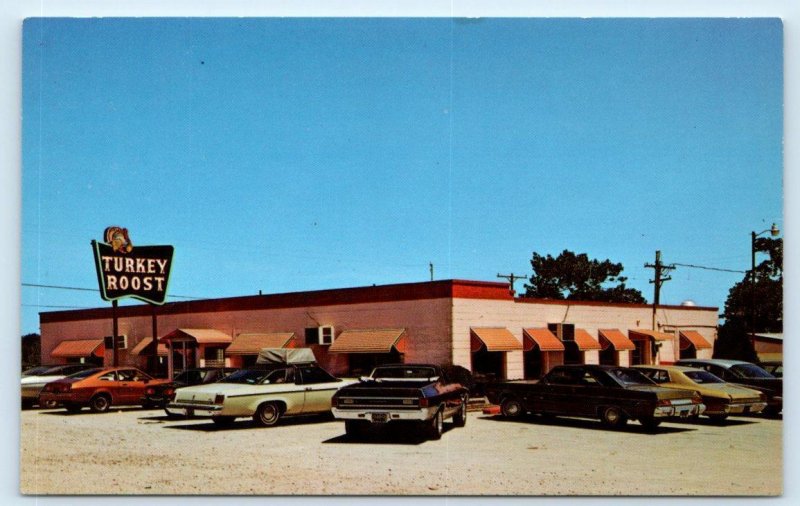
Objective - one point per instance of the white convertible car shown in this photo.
(286, 382)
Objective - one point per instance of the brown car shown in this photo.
(99, 389)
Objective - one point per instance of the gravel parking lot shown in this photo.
(134, 451)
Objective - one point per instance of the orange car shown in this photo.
(99, 389)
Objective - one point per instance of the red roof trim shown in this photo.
(528, 300)
(461, 289)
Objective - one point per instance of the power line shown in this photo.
(709, 268)
(57, 307)
(76, 288)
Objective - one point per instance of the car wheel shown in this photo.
(435, 425)
(613, 417)
(511, 407)
(73, 408)
(223, 421)
(460, 418)
(650, 423)
(354, 428)
(100, 403)
(48, 404)
(267, 414)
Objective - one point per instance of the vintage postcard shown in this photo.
(402, 256)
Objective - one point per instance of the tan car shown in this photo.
(721, 398)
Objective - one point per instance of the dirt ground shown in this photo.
(134, 451)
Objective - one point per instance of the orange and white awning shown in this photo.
(616, 339)
(585, 341)
(369, 341)
(252, 344)
(541, 338)
(200, 336)
(78, 348)
(691, 338)
(493, 339)
(144, 343)
(650, 334)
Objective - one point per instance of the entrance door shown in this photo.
(489, 364)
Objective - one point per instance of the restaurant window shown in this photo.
(214, 356)
(319, 335)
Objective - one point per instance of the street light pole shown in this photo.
(774, 232)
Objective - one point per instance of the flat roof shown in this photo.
(451, 288)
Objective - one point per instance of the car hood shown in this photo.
(721, 390)
(32, 380)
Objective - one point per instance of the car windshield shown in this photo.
(403, 372)
(85, 374)
(38, 371)
(750, 371)
(630, 377)
(259, 376)
(703, 377)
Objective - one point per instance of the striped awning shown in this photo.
(369, 341)
(585, 341)
(650, 334)
(79, 348)
(493, 339)
(543, 338)
(144, 343)
(616, 339)
(252, 344)
(691, 338)
(200, 336)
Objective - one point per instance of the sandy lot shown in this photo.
(134, 451)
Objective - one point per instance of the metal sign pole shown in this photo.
(115, 362)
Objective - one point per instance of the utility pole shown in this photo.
(659, 270)
(511, 277)
(430, 264)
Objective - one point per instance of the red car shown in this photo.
(99, 389)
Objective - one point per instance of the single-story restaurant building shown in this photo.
(475, 324)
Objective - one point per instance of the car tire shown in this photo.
(435, 426)
(73, 408)
(511, 407)
(267, 414)
(354, 428)
(460, 418)
(650, 423)
(48, 404)
(100, 403)
(613, 417)
(223, 421)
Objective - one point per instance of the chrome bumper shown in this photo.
(378, 415)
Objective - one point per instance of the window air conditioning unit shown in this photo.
(122, 342)
(325, 334)
(563, 331)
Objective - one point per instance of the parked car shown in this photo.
(99, 389)
(162, 394)
(743, 373)
(774, 367)
(612, 394)
(721, 398)
(422, 394)
(33, 381)
(288, 382)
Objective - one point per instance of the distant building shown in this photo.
(474, 324)
(768, 346)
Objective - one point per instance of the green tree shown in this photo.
(754, 304)
(31, 351)
(576, 277)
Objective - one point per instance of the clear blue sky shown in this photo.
(297, 154)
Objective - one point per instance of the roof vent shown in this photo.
(688, 303)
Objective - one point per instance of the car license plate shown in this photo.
(380, 417)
